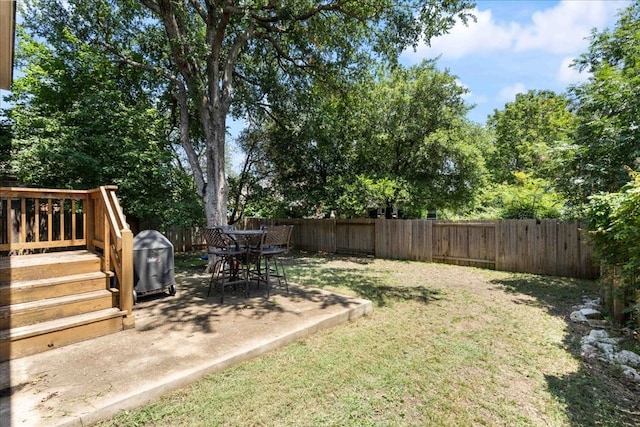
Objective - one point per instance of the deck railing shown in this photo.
(37, 220)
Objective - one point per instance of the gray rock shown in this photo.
(630, 373)
(607, 349)
(590, 313)
(578, 317)
(588, 340)
(598, 334)
(629, 358)
(612, 341)
(588, 351)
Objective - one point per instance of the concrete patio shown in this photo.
(176, 341)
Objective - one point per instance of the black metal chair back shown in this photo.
(229, 265)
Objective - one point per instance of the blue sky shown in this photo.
(516, 46)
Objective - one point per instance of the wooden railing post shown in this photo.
(89, 222)
(126, 284)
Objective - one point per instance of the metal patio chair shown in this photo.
(268, 266)
(230, 266)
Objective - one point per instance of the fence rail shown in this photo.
(548, 247)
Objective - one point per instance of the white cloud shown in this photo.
(508, 93)
(569, 75)
(468, 94)
(483, 35)
(561, 29)
(564, 28)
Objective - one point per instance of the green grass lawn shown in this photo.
(443, 346)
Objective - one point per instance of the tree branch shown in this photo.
(180, 94)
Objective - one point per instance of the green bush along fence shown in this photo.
(549, 247)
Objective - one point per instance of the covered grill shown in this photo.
(153, 264)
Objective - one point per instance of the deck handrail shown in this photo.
(35, 219)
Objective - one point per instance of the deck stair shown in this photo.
(54, 299)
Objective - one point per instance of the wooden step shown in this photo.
(33, 290)
(32, 339)
(29, 313)
(48, 265)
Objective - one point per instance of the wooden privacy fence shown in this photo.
(549, 247)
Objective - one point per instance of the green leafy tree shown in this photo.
(524, 197)
(216, 54)
(414, 130)
(396, 139)
(532, 135)
(365, 192)
(5, 146)
(79, 121)
(608, 108)
(301, 151)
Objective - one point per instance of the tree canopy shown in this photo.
(218, 56)
(530, 133)
(608, 109)
(333, 122)
(80, 121)
(399, 139)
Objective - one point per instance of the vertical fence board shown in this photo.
(382, 239)
(588, 269)
(550, 247)
(317, 235)
(421, 240)
(402, 239)
(355, 236)
(393, 239)
(505, 245)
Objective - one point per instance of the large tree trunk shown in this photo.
(211, 185)
(215, 197)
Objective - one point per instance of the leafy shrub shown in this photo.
(614, 224)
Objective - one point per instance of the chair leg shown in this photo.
(227, 273)
(258, 271)
(235, 272)
(218, 276)
(267, 269)
(281, 273)
(214, 273)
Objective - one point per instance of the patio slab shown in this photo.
(176, 341)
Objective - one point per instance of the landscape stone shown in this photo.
(590, 313)
(629, 358)
(630, 373)
(588, 351)
(598, 334)
(606, 348)
(578, 317)
(599, 345)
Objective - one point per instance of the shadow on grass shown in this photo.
(556, 294)
(312, 271)
(594, 395)
(593, 399)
